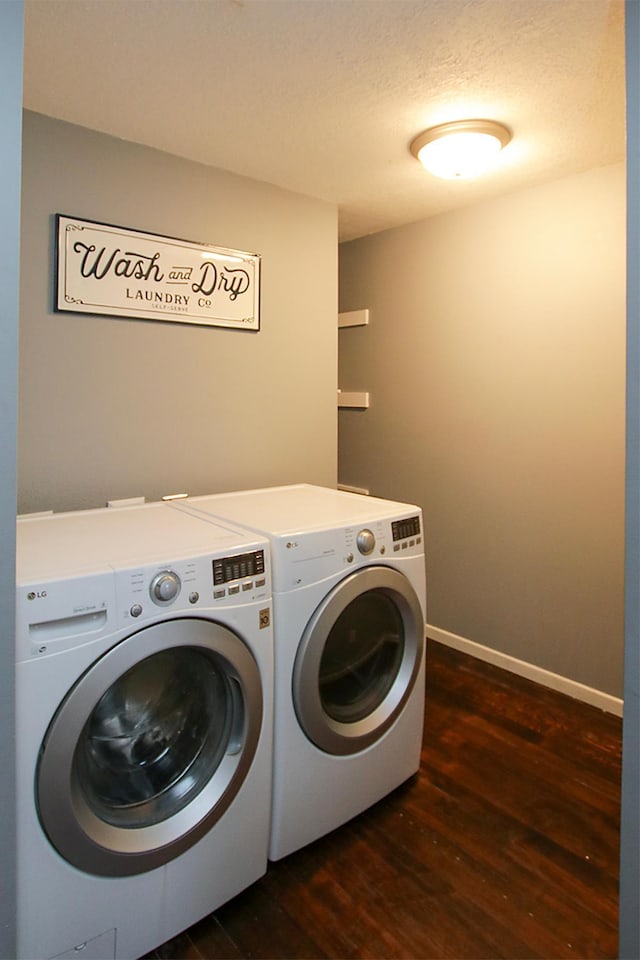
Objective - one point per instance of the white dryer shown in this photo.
(349, 602)
(144, 680)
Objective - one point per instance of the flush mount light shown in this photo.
(461, 149)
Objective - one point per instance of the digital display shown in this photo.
(405, 528)
(237, 567)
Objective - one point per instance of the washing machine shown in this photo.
(349, 603)
(144, 690)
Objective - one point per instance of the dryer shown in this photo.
(144, 676)
(349, 601)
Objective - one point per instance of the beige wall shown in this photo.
(495, 362)
(114, 408)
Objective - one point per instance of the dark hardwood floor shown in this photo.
(505, 845)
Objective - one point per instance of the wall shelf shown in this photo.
(358, 399)
(350, 489)
(353, 399)
(353, 318)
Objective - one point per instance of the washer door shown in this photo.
(358, 660)
(150, 746)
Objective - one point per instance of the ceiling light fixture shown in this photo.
(461, 149)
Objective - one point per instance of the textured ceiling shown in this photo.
(323, 97)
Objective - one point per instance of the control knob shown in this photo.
(165, 587)
(365, 542)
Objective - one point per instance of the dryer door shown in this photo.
(149, 747)
(358, 660)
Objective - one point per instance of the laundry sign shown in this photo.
(103, 269)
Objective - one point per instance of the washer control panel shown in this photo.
(227, 569)
(192, 583)
(365, 541)
(165, 587)
(238, 574)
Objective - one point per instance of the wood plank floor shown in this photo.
(505, 845)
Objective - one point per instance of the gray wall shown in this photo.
(495, 362)
(630, 820)
(114, 408)
(11, 44)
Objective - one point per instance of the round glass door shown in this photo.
(358, 660)
(149, 747)
(361, 657)
(155, 738)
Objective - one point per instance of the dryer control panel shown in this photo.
(403, 529)
(312, 556)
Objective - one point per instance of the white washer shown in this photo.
(144, 681)
(349, 602)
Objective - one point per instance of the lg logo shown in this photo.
(36, 595)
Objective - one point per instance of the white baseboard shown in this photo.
(604, 701)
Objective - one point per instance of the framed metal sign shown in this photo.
(103, 269)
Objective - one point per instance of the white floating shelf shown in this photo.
(353, 398)
(353, 318)
(349, 489)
